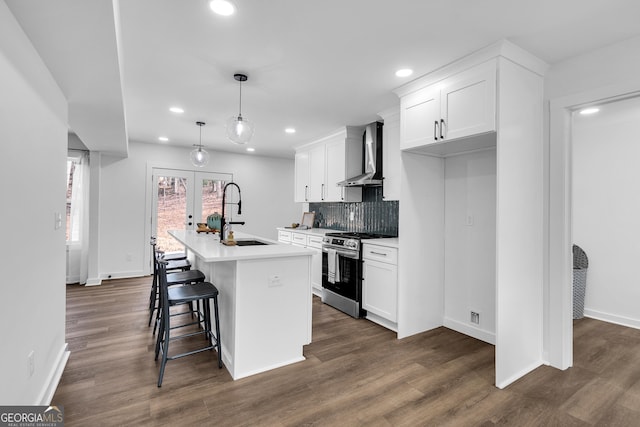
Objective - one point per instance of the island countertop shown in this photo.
(209, 249)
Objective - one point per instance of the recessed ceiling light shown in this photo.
(587, 111)
(290, 130)
(177, 110)
(251, 149)
(163, 138)
(222, 7)
(405, 72)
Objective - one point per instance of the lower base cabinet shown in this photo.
(309, 241)
(380, 285)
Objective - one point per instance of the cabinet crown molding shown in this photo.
(345, 131)
(502, 48)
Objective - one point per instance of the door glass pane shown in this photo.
(171, 210)
(211, 198)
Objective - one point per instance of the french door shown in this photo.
(181, 199)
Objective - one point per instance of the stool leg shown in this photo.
(166, 328)
(218, 342)
(153, 297)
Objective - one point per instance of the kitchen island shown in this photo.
(265, 299)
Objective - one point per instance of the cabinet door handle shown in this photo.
(306, 193)
(435, 130)
(441, 128)
(341, 193)
(322, 192)
(378, 253)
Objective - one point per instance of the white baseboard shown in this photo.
(93, 281)
(612, 318)
(53, 379)
(520, 374)
(382, 321)
(472, 331)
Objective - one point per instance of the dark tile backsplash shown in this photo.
(372, 215)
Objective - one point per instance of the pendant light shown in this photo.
(199, 157)
(239, 130)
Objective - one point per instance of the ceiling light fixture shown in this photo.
(290, 130)
(163, 138)
(251, 149)
(405, 72)
(199, 157)
(176, 110)
(239, 130)
(587, 111)
(222, 7)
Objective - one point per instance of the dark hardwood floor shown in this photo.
(356, 374)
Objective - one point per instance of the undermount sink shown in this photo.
(249, 242)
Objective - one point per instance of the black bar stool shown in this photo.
(179, 278)
(178, 266)
(170, 296)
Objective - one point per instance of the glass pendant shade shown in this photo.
(199, 157)
(239, 130)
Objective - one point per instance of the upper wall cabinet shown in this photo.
(453, 108)
(321, 164)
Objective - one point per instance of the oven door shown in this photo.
(350, 284)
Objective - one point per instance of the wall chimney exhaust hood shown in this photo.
(371, 159)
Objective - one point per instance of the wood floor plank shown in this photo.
(356, 373)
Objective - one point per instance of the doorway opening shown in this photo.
(558, 293)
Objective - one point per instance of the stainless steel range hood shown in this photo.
(371, 159)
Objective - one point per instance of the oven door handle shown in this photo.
(345, 254)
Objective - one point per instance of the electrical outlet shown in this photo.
(31, 363)
(469, 220)
(475, 317)
(352, 216)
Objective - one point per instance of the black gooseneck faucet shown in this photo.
(223, 220)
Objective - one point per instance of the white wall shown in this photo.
(33, 152)
(610, 66)
(606, 208)
(267, 199)
(470, 243)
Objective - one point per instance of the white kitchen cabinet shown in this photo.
(301, 192)
(380, 283)
(514, 125)
(309, 240)
(320, 165)
(315, 243)
(420, 115)
(456, 107)
(317, 173)
(284, 236)
(299, 239)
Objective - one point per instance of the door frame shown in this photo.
(148, 210)
(558, 292)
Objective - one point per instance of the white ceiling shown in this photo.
(314, 66)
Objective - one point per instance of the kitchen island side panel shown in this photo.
(273, 302)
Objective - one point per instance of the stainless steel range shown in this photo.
(342, 271)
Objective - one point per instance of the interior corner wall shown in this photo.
(605, 210)
(33, 122)
(470, 243)
(267, 199)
